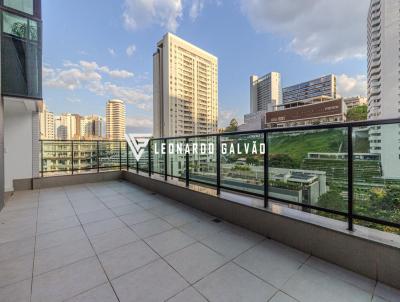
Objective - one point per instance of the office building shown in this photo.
(384, 82)
(265, 92)
(323, 86)
(185, 89)
(115, 120)
(21, 91)
(355, 101)
(46, 121)
(321, 110)
(91, 127)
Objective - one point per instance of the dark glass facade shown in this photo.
(21, 48)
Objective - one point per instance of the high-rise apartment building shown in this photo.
(185, 89)
(384, 81)
(91, 127)
(384, 59)
(65, 127)
(265, 92)
(21, 91)
(46, 121)
(115, 120)
(323, 86)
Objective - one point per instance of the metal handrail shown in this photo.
(265, 132)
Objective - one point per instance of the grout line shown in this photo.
(160, 257)
(34, 247)
(85, 291)
(97, 256)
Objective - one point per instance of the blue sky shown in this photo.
(94, 50)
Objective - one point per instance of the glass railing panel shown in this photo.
(85, 156)
(132, 161)
(177, 159)
(203, 162)
(109, 155)
(158, 156)
(376, 170)
(123, 154)
(309, 167)
(144, 161)
(56, 157)
(242, 162)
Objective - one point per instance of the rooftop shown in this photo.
(114, 241)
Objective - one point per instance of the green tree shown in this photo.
(357, 113)
(233, 126)
(332, 200)
(282, 161)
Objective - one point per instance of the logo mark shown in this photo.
(137, 143)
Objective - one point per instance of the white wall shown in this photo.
(18, 137)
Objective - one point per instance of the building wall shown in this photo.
(46, 124)
(265, 92)
(352, 102)
(66, 127)
(21, 91)
(323, 86)
(185, 89)
(253, 121)
(19, 135)
(115, 120)
(384, 82)
(323, 112)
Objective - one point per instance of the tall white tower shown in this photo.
(384, 81)
(115, 120)
(265, 92)
(185, 89)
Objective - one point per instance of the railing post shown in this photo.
(72, 156)
(98, 157)
(166, 161)
(266, 169)
(218, 150)
(187, 165)
(350, 177)
(120, 156)
(149, 147)
(127, 156)
(42, 160)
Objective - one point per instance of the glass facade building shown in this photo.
(21, 48)
(20, 90)
(323, 86)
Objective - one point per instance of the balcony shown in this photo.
(115, 241)
(297, 223)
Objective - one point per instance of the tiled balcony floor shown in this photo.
(114, 241)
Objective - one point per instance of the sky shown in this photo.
(94, 50)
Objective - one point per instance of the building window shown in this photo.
(25, 6)
(21, 57)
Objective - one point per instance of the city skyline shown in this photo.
(89, 71)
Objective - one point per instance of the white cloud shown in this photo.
(115, 73)
(130, 50)
(348, 86)
(321, 30)
(164, 13)
(112, 52)
(73, 100)
(87, 75)
(139, 124)
(141, 13)
(196, 8)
